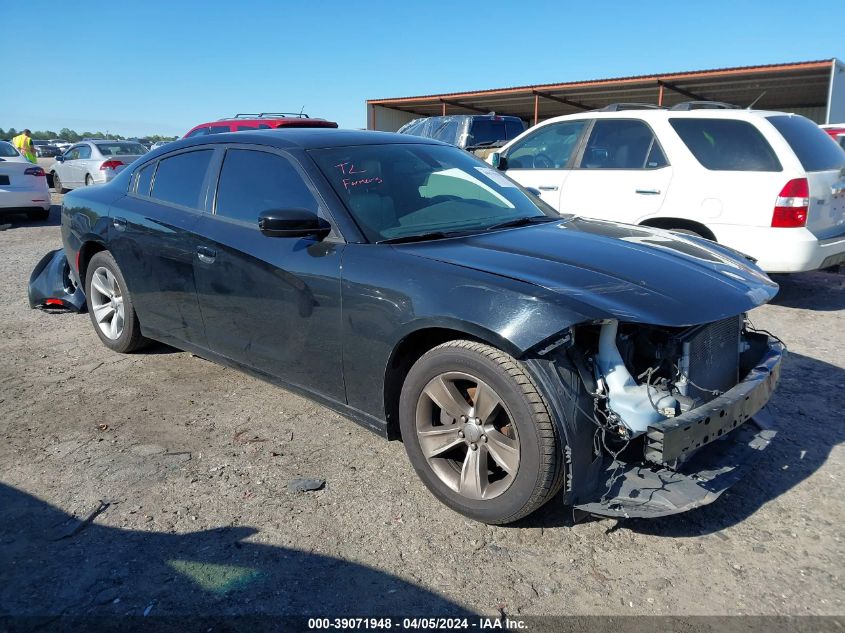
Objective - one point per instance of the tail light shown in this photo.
(792, 204)
(111, 164)
(34, 171)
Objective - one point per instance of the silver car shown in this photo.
(93, 162)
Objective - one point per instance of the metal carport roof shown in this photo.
(777, 86)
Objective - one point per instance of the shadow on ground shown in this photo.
(54, 564)
(822, 290)
(20, 220)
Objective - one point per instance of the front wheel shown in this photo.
(110, 305)
(478, 433)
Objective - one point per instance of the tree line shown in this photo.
(72, 137)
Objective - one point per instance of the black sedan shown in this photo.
(514, 351)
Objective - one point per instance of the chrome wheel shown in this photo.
(106, 303)
(467, 436)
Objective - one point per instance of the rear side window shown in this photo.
(550, 147)
(179, 178)
(726, 144)
(810, 143)
(144, 179)
(622, 144)
(252, 182)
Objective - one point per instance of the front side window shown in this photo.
(402, 190)
(72, 153)
(810, 143)
(622, 144)
(200, 131)
(179, 179)
(219, 129)
(550, 147)
(252, 182)
(726, 144)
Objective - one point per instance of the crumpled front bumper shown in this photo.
(722, 438)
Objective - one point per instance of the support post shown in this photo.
(536, 108)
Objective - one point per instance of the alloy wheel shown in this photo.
(106, 302)
(467, 436)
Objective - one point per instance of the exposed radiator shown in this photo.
(711, 358)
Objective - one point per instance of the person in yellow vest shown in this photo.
(23, 143)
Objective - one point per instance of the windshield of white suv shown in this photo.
(398, 191)
(810, 143)
(726, 144)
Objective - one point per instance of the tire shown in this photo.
(57, 184)
(88, 180)
(38, 216)
(121, 333)
(519, 433)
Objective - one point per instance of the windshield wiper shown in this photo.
(419, 237)
(534, 219)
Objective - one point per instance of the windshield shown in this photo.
(121, 149)
(396, 191)
(7, 150)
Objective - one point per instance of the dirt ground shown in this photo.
(157, 483)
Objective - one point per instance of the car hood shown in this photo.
(608, 270)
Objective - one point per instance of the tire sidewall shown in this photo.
(125, 342)
(525, 483)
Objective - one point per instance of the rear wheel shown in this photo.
(57, 184)
(110, 305)
(88, 180)
(478, 433)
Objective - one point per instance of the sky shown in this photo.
(138, 67)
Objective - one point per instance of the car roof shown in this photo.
(305, 138)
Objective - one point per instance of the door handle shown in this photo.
(119, 223)
(649, 192)
(206, 255)
(548, 187)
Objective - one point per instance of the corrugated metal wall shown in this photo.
(387, 119)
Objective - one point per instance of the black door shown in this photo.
(154, 242)
(270, 303)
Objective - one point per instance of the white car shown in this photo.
(768, 184)
(23, 186)
(93, 163)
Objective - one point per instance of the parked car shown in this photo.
(407, 284)
(43, 149)
(261, 121)
(93, 162)
(836, 132)
(23, 186)
(158, 144)
(60, 143)
(467, 131)
(768, 184)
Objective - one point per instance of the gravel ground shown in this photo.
(158, 483)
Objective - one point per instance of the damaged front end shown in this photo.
(52, 286)
(671, 418)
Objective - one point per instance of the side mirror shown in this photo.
(498, 161)
(292, 223)
(60, 159)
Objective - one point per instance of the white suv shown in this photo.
(768, 184)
